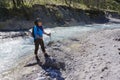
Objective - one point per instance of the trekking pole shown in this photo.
(50, 37)
(50, 42)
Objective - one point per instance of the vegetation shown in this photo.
(85, 4)
(23, 8)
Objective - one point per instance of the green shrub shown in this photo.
(59, 15)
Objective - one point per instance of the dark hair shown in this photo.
(37, 20)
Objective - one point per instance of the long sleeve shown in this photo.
(35, 32)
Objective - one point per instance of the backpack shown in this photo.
(33, 35)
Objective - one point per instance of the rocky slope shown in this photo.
(91, 56)
(52, 16)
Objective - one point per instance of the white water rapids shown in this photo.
(11, 51)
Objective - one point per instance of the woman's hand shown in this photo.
(49, 34)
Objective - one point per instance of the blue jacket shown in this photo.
(38, 31)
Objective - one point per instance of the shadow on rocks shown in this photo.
(52, 66)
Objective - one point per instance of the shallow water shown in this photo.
(11, 51)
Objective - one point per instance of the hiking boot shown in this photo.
(46, 55)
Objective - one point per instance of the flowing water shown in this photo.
(11, 51)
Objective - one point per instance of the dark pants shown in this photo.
(37, 43)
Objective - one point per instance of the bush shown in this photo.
(59, 15)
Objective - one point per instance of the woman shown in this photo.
(38, 32)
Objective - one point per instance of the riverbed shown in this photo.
(13, 50)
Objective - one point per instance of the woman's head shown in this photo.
(38, 22)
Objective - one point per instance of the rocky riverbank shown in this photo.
(52, 16)
(94, 55)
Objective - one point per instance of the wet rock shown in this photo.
(118, 48)
(50, 43)
(54, 43)
(119, 53)
(118, 39)
(57, 49)
(114, 45)
(101, 46)
(101, 77)
(105, 68)
(74, 39)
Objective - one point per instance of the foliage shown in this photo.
(58, 15)
(85, 4)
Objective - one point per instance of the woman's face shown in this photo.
(39, 23)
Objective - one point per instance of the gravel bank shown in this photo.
(91, 56)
